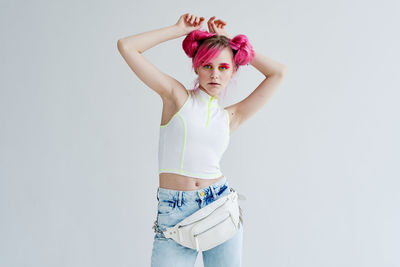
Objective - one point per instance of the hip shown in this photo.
(175, 205)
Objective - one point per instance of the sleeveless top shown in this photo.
(194, 140)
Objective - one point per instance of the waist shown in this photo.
(180, 182)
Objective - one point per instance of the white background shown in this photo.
(79, 132)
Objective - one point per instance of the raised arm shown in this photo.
(132, 47)
(273, 71)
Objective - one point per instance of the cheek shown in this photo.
(202, 75)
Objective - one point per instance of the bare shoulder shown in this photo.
(173, 102)
(177, 97)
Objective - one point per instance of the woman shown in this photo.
(195, 129)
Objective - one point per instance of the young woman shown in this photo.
(195, 129)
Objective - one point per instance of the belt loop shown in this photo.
(158, 189)
(180, 198)
(213, 192)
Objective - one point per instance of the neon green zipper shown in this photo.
(208, 112)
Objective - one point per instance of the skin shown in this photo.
(174, 94)
(219, 70)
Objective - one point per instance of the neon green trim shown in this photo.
(208, 111)
(205, 100)
(184, 140)
(214, 175)
(178, 112)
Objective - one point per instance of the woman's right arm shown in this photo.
(131, 49)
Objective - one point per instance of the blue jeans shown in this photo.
(174, 206)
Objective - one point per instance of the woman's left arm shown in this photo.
(274, 74)
(267, 66)
(273, 71)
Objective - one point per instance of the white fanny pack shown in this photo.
(211, 225)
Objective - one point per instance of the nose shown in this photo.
(214, 73)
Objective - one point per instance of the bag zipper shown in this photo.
(212, 226)
(180, 226)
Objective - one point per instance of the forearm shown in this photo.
(266, 65)
(146, 40)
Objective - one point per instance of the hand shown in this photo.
(217, 26)
(188, 23)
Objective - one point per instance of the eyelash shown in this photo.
(221, 67)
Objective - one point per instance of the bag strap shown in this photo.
(240, 196)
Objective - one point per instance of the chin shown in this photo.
(214, 91)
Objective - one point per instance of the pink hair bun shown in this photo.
(192, 41)
(245, 51)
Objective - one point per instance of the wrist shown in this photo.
(179, 30)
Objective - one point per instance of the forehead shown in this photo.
(225, 56)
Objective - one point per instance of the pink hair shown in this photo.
(203, 46)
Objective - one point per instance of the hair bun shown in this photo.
(192, 41)
(245, 51)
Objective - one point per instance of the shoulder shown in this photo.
(178, 97)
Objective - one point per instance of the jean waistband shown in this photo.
(165, 193)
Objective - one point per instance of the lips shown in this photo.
(214, 83)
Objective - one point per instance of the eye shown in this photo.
(225, 68)
(205, 66)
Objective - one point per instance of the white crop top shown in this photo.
(194, 140)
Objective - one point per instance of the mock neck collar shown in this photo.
(206, 96)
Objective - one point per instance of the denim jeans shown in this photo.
(176, 205)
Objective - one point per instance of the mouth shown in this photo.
(214, 83)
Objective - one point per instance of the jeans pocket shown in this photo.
(166, 207)
(223, 190)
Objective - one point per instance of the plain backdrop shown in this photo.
(79, 132)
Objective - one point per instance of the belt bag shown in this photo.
(211, 225)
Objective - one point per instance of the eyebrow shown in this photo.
(219, 64)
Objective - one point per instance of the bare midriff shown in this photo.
(184, 183)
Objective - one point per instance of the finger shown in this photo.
(194, 19)
(210, 29)
(201, 21)
(222, 22)
(209, 26)
(214, 27)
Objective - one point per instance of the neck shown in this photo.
(205, 91)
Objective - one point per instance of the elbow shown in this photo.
(281, 73)
(120, 44)
(284, 70)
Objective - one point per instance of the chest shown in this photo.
(205, 116)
